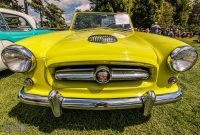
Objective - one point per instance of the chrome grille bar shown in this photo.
(75, 74)
(87, 74)
(129, 74)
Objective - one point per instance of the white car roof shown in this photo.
(30, 19)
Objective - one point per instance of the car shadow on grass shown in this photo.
(5, 73)
(79, 120)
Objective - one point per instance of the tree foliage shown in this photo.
(36, 5)
(112, 5)
(166, 20)
(194, 19)
(10, 4)
(146, 12)
(182, 9)
(53, 15)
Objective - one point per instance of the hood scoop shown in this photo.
(102, 38)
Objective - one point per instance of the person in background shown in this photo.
(147, 30)
(171, 33)
(184, 35)
(167, 32)
(191, 34)
(135, 29)
(155, 28)
(177, 33)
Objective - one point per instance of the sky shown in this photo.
(69, 6)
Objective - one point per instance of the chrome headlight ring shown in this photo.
(18, 59)
(182, 58)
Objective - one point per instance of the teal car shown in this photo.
(15, 26)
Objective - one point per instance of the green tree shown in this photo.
(146, 12)
(38, 7)
(10, 4)
(194, 19)
(54, 17)
(166, 20)
(182, 9)
(112, 5)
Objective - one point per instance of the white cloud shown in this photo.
(66, 3)
(21, 2)
(84, 7)
(62, 3)
(68, 22)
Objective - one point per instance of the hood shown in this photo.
(76, 47)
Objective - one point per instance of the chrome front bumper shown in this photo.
(57, 102)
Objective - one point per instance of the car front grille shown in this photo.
(88, 73)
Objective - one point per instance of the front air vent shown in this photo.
(102, 39)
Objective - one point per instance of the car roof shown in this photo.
(30, 19)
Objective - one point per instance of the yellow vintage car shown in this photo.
(100, 63)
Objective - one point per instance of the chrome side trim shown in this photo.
(56, 101)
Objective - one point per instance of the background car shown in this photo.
(15, 26)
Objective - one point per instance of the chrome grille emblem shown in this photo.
(102, 75)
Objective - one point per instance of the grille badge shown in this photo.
(102, 75)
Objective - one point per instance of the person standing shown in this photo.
(147, 30)
(155, 28)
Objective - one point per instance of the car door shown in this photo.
(18, 28)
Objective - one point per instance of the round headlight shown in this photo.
(18, 58)
(182, 58)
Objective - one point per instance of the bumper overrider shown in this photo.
(56, 101)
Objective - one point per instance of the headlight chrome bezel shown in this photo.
(170, 59)
(25, 52)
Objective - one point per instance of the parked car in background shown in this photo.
(15, 26)
(100, 63)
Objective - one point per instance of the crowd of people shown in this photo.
(156, 29)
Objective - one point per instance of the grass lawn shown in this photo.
(181, 118)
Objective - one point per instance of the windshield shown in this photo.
(118, 21)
